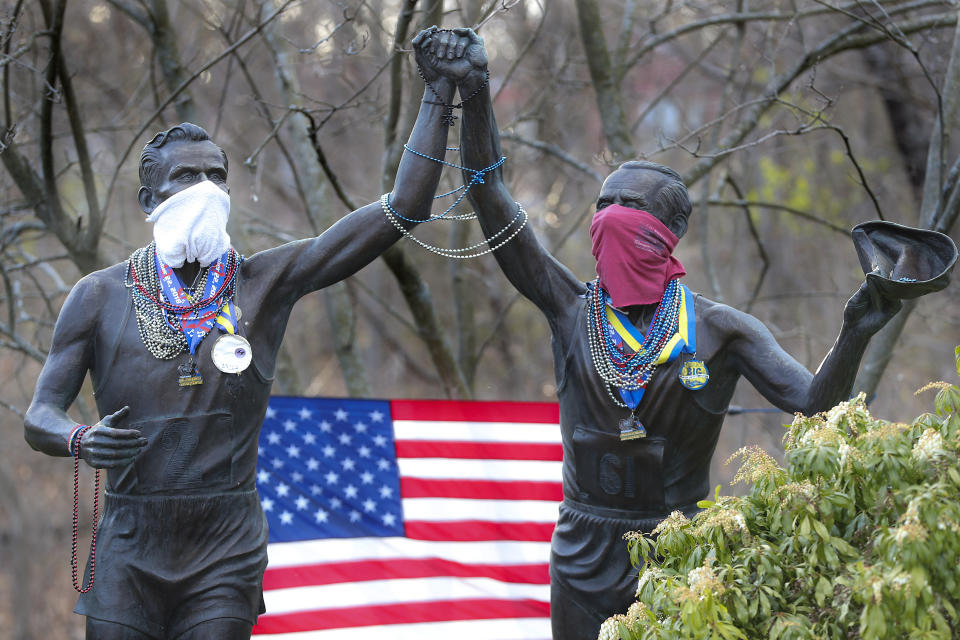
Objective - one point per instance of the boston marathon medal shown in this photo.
(694, 374)
(631, 428)
(189, 374)
(232, 353)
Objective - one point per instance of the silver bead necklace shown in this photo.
(463, 252)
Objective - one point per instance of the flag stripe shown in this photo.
(433, 611)
(288, 554)
(475, 411)
(384, 591)
(401, 568)
(507, 470)
(454, 431)
(499, 629)
(481, 489)
(483, 450)
(447, 509)
(479, 530)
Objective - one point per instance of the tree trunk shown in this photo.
(168, 54)
(415, 290)
(604, 78)
(337, 301)
(880, 351)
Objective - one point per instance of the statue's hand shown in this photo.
(455, 55)
(867, 311)
(104, 446)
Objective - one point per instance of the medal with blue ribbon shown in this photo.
(635, 356)
(231, 352)
(197, 319)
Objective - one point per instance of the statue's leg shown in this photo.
(104, 630)
(219, 628)
(569, 619)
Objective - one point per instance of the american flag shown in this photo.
(408, 518)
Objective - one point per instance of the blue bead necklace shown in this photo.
(617, 368)
(476, 178)
(514, 226)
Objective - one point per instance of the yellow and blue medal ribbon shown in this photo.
(228, 318)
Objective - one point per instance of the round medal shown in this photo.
(232, 353)
(694, 374)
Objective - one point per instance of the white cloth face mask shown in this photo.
(191, 225)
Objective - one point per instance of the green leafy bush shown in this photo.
(858, 537)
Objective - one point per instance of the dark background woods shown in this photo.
(792, 121)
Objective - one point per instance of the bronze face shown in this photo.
(184, 164)
(636, 188)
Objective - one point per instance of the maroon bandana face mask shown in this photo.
(634, 253)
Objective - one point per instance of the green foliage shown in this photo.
(858, 537)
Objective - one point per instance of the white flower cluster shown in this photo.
(804, 490)
(730, 520)
(703, 580)
(836, 414)
(610, 629)
(949, 523)
(928, 447)
(910, 528)
(634, 621)
(826, 435)
(650, 574)
(844, 451)
(674, 522)
(900, 581)
(853, 411)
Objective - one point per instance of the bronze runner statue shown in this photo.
(645, 368)
(181, 344)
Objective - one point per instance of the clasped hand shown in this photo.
(457, 55)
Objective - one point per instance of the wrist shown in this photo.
(473, 83)
(74, 440)
(438, 90)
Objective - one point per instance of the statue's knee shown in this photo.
(220, 628)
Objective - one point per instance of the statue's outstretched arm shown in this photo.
(47, 427)
(361, 236)
(784, 381)
(529, 267)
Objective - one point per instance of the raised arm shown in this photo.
(529, 267)
(356, 239)
(785, 382)
(47, 427)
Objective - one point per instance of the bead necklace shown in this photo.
(476, 178)
(461, 253)
(75, 452)
(158, 320)
(629, 371)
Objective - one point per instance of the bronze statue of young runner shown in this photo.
(181, 344)
(645, 369)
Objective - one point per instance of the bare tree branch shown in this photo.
(186, 83)
(676, 81)
(845, 40)
(555, 151)
(523, 52)
(764, 258)
(718, 202)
